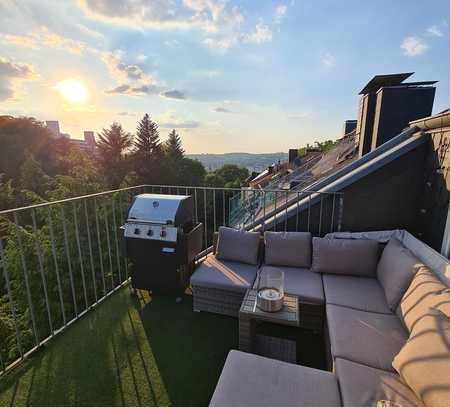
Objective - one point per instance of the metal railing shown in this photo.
(60, 259)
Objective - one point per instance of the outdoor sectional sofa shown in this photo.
(386, 298)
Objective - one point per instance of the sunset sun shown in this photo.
(72, 90)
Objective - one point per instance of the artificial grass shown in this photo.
(130, 351)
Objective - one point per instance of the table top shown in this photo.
(288, 315)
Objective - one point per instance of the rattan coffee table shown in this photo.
(250, 315)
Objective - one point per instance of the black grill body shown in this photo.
(161, 242)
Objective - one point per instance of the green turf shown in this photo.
(130, 351)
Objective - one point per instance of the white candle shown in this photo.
(269, 294)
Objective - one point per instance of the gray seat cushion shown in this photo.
(345, 256)
(238, 245)
(226, 275)
(396, 270)
(364, 386)
(248, 380)
(301, 282)
(365, 294)
(368, 338)
(291, 249)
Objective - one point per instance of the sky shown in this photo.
(247, 76)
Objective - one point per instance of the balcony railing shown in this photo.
(60, 259)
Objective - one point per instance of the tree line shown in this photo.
(35, 166)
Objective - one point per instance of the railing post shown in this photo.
(41, 269)
(55, 263)
(12, 307)
(80, 256)
(25, 274)
(69, 263)
(341, 212)
(91, 257)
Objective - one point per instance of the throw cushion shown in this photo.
(396, 270)
(425, 292)
(291, 249)
(424, 361)
(345, 256)
(237, 245)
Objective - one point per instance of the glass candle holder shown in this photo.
(270, 290)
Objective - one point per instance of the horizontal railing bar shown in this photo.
(76, 198)
(90, 196)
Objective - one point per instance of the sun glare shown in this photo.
(72, 90)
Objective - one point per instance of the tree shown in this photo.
(33, 178)
(22, 136)
(173, 148)
(192, 172)
(113, 145)
(228, 176)
(147, 157)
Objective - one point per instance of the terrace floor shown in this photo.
(133, 351)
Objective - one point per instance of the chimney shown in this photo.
(387, 105)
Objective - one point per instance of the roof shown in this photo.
(379, 81)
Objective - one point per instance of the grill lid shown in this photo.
(165, 209)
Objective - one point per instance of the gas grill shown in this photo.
(162, 241)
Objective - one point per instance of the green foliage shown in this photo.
(173, 148)
(20, 137)
(7, 193)
(228, 176)
(32, 176)
(113, 145)
(148, 154)
(326, 145)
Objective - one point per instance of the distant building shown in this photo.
(53, 126)
(87, 144)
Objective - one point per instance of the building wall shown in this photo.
(389, 198)
(436, 193)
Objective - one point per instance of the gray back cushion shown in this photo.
(396, 270)
(345, 256)
(288, 249)
(237, 245)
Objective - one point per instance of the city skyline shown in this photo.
(228, 76)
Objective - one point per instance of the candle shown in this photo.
(269, 294)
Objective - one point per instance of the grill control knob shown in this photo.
(137, 231)
(163, 233)
(150, 232)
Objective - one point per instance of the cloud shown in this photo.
(90, 32)
(207, 15)
(174, 94)
(219, 21)
(141, 57)
(180, 124)
(11, 75)
(222, 110)
(413, 46)
(280, 13)
(129, 90)
(261, 34)
(45, 38)
(435, 31)
(328, 60)
(122, 71)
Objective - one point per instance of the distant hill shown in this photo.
(253, 162)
